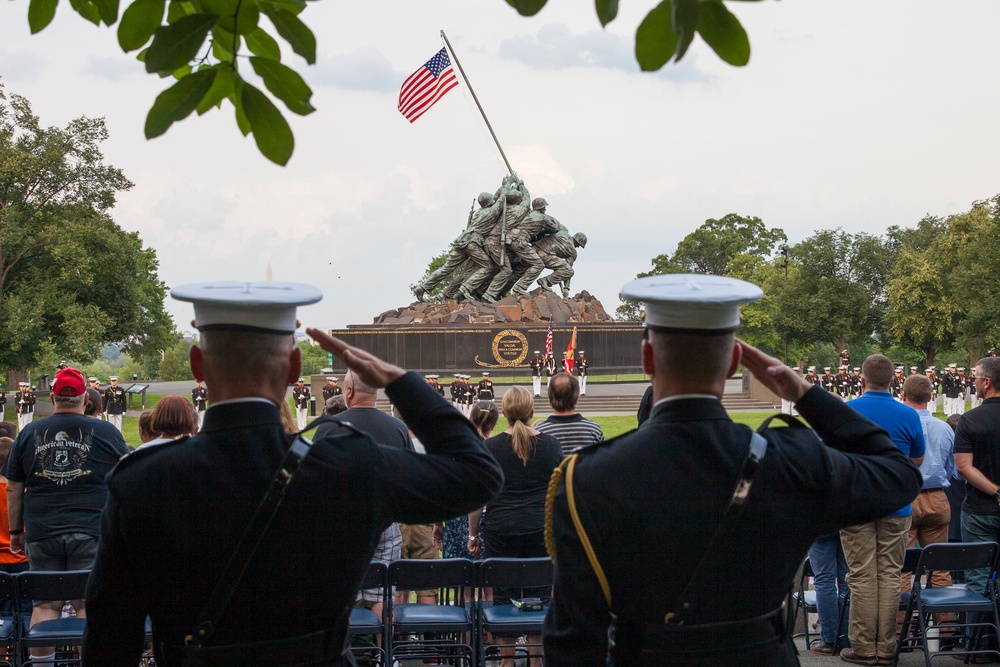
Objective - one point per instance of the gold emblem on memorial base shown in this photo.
(510, 348)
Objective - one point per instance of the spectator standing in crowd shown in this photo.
(674, 479)
(301, 395)
(875, 549)
(176, 511)
(931, 510)
(95, 403)
(452, 536)
(977, 457)
(565, 424)
(386, 430)
(515, 519)
(10, 562)
(199, 399)
(335, 405)
(145, 426)
(114, 403)
(25, 405)
(173, 418)
(56, 490)
(826, 557)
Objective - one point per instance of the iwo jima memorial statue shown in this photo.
(478, 310)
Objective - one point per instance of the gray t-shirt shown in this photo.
(62, 461)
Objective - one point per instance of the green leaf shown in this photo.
(528, 7)
(285, 84)
(222, 44)
(40, 14)
(270, 129)
(723, 32)
(294, 31)
(655, 39)
(182, 72)
(108, 10)
(293, 6)
(237, 99)
(176, 45)
(223, 86)
(178, 10)
(139, 21)
(177, 101)
(87, 10)
(262, 44)
(141, 56)
(226, 10)
(607, 10)
(685, 24)
(247, 21)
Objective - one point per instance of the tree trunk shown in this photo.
(975, 355)
(929, 354)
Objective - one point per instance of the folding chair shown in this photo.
(367, 629)
(805, 600)
(924, 601)
(42, 585)
(8, 621)
(520, 573)
(450, 624)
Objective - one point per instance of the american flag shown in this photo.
(426, 86)
(548, 340)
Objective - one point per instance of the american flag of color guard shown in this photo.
(548, 339)
(426, 86)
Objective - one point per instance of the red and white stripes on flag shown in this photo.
(426, 86)
(548, 340)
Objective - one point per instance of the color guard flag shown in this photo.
(426, 86)
(570, 355)
(548, 340)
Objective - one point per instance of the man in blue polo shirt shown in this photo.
(875, 550)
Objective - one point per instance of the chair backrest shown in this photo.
(375, 576)
(807, 569)
(6, 587)
(417, 573)
(911, 559)
(516, 572)
(958, 556)
(45, 585)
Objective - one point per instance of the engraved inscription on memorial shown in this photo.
(510, 348)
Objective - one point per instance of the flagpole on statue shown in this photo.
(454, 55)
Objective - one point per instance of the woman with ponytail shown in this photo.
(514, 523)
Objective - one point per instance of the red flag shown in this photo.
(570, 355)
(426, 86)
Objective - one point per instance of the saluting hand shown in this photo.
(775, 375)
(372, 370)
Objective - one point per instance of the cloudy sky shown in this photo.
(850, 114)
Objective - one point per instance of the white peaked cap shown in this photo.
(262, 306)
(692, 302)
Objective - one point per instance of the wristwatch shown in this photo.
(17, 531)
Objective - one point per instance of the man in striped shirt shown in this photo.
(566, 424)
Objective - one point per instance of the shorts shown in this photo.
(68, 551)
(418, 542)
(389, 546)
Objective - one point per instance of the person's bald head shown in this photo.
(357, 393)
(235, 363)
(690, 362)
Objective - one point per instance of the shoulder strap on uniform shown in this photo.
(252, 536)
(565, 470)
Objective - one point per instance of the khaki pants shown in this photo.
(874, 552)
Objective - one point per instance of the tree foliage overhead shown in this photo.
(203, 44)
(71, 279)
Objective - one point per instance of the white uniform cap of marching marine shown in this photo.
(260, 307)
(692, 303)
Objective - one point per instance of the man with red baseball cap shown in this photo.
(63, 460)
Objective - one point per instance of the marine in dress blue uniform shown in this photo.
(651, 500)
(176, 511)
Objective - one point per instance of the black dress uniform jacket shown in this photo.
(652, 499)
(175, 512)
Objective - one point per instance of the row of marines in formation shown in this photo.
(506, 245)
(25, 398)
(952, 383)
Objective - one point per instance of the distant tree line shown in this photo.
(923, 295)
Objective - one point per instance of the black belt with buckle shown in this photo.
(317, 648)
(697, 638)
